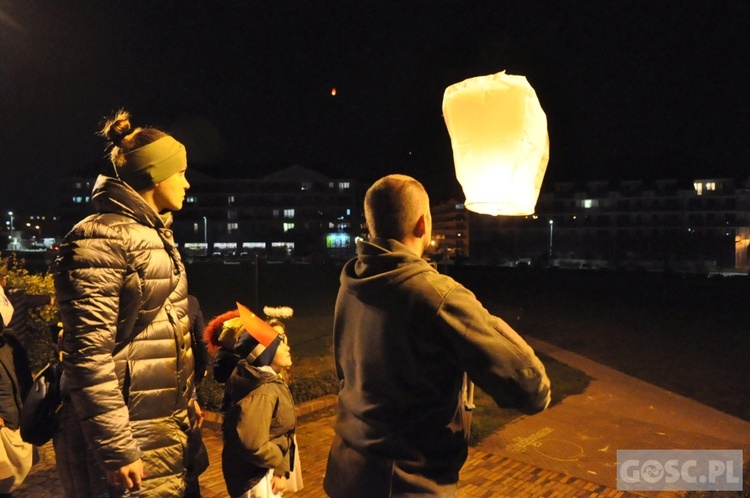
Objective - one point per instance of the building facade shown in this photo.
(298, 213)
(660, 225)
(294, 213)
(450, 231)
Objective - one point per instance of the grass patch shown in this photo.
(683, 333)
(488, 417)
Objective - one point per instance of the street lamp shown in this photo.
(205, 233)
(551, 228)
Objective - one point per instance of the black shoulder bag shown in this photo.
(38, 417)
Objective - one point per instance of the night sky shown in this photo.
(632, 89)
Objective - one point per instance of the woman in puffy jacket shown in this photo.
(122, 293)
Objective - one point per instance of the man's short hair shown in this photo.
(392, 206)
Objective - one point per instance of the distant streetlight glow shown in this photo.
(551, 227)
(333, 91)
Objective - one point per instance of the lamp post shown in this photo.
(551, 228)
(205, 233)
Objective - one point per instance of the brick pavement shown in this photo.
(485, 474)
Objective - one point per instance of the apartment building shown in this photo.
(450, 231)
(293, 213)
(660, 225)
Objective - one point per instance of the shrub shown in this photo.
(42, 320)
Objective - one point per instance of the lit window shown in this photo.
(589, 203)
(334, 240)
(195, 227)
(253, 245)
(231, 227)
(343, 186)
(288, 213)
(698, 188)
(306, 186)
(230, 199)
(287, 247)
(710, 186)
(78, 199)
(225, 246)
(348, 212)
(276, 213)
(288, 226)
(190, 199)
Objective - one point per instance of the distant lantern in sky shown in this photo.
(500, 143)
(333, 91)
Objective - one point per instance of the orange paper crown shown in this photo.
(256, 327)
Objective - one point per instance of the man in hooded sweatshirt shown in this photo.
(403, 337)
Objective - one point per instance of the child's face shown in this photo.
(283, 358)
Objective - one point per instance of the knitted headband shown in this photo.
(148, 165)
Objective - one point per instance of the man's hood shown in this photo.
(381, 263)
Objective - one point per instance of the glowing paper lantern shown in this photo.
(500, 144)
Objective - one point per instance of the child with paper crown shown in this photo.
(259, 419)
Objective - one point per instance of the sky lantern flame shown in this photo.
(500, 142)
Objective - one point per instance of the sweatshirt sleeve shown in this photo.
(496, 358)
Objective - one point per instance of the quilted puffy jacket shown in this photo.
(127, 367)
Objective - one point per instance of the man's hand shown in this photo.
(127, 477)
(278, 484)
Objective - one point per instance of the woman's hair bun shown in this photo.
(117, 128)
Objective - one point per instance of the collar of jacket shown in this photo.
(111, 195)
(246, 378)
